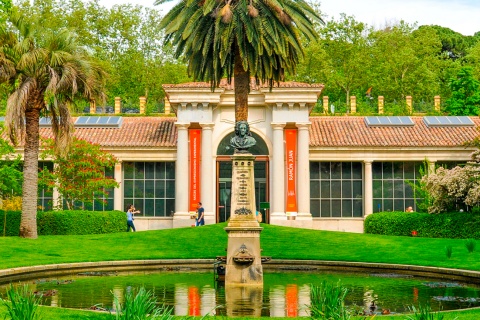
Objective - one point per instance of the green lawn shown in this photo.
(210, 241)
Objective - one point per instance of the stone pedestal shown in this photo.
(244, 261)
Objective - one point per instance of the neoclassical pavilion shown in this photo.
(321, 172)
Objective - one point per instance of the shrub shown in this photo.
(458, 225)
(76, 222)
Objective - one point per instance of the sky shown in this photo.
(462, 16)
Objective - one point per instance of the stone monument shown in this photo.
(244, 261)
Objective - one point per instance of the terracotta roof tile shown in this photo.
(134, 132)
(224, 84)
(342, 131)
(351, 131)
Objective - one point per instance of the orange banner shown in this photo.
(291, 168)
(195, 145)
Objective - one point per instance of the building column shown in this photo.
(277, 202)
(368, 194)
(207, 189)
(117, 192)
(303, 171)
(181, 217)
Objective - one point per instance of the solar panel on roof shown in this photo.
(98, 122)
(45, 122)
(448, 121)
(389, 121)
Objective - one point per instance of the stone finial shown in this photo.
(118, 105)
(437, 103)
(143, 104)
(353, 104)
(93, 106)
(325, 104)
(409, 104)
(380, 104)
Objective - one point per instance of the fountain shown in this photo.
(243, 261)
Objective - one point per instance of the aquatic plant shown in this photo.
(424, 312)
(328, 301)
(22, 304)
(140, 305)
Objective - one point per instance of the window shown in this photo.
(150, 187)
(105, 203)
(392, 185)
(45, 195)
(336, 189)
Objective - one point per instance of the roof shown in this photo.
(325, 131)
(351, 131)
(134, 132)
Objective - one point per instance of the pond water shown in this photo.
(285, 294)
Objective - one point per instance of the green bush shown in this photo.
(457, 225)
(66, 222)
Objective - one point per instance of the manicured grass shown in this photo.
(210, 241)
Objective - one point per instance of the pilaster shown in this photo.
(277, 203)
(368, 185)
(181, 217)
(117, 192)
(207, 173)
(303, 172)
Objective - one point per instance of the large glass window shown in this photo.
(45, 195)
(336, 189)
(150, 187)
(392, 185)
(101, 202)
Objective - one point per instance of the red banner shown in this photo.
(195, 145)
(291, 169)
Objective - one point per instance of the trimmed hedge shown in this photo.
(457, 225)
(66, 222)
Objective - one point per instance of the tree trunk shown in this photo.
(241, 86)
(28, 223)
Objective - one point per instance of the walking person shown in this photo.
(200, 217)
(130, 217)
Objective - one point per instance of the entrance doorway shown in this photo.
(224, 186)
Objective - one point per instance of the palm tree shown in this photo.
(239, 39)
(45, 71)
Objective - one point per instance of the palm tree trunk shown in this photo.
(28, 223)
(242, 87)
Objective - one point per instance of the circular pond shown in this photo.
(284, 294)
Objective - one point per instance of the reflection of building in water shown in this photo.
(290, 301)
(208, 301)
(181, 299)
(194, 301)
(304, 301)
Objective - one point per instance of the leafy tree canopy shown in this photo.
(79, 176)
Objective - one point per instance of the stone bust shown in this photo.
(243, 138)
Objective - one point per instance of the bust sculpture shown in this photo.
(243, 138)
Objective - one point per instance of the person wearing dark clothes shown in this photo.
(200, 218)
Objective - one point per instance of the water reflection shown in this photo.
(283, 294)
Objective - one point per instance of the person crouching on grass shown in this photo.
(130, 212)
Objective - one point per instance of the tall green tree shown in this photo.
(46, 70)
(239, 39)
(465, 99)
